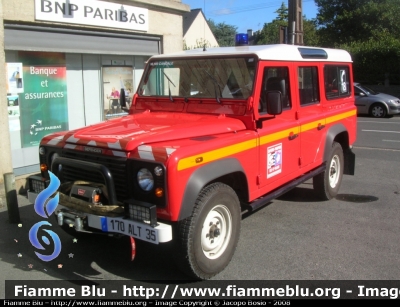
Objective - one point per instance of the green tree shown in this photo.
(310, 35)
(346, 21)
(375, 60)
(269, 34)
(270, 31)
(283, 12)
(224, 33)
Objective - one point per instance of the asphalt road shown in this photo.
(295, 237)
(379, 133)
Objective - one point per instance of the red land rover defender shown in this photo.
(210, 134)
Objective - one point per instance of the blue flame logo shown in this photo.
(45, 209)
(40, 202)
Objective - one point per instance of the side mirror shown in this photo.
(274, 102)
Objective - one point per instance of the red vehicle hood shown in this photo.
(130, 131)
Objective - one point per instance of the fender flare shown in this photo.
(349, 156)
(330, 136)
(201, 177)
(381, 103)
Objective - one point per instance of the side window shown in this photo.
(308, 85)
(275, 79)
(357, 91)
(336, 81)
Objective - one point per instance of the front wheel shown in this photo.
(378, 110)
(208, 238)
(327, 184)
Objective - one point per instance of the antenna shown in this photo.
(204, 28)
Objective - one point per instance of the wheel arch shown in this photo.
(338, 133)
(381, 103)
(228, 171)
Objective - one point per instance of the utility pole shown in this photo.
(295, 27)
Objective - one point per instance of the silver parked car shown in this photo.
(373, 103)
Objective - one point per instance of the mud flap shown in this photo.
(349, 162)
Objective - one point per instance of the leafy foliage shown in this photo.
(375, 60)
(347, 21)
(310, 35)
(200, 43)
(224, 34)
(270, 31)
(283, 12)
(369, 30)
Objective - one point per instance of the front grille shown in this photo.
(116, 165)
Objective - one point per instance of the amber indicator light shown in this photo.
(159, 192)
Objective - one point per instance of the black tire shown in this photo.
(378, 110)
(208, 238)
(327, 184)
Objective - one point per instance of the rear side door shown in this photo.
(279, 142)
(311, 118)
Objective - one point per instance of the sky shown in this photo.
(248, 14)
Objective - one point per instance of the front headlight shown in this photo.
(392, 101)
(145, 179)
(42, 151)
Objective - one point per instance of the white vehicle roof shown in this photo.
(278, 52)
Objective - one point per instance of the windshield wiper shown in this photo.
(169, 88)
(215, 86)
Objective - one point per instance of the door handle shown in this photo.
(320, 127)
(292, 136)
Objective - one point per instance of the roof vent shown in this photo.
(308, 53)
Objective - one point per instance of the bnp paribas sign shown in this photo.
(94, 13)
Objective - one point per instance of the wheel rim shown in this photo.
(216, 231)
(334, 171)
(377, 111)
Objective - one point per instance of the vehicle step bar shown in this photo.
(264, 200)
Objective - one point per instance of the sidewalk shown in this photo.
(20, 187)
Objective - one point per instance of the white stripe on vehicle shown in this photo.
(115, 145)
(92, 143)
(119, 153)
(146, 152)
(55, 140)
(69, 146)
(72, 139)
(170, 151)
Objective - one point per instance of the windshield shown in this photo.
(367, 90)
(215, 78)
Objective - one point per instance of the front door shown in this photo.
(278, 135)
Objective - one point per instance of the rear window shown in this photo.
(336, 81)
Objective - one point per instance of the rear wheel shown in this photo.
(208, 238)
(378, 110)
(327, 184)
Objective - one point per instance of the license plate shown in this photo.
(130, 228)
